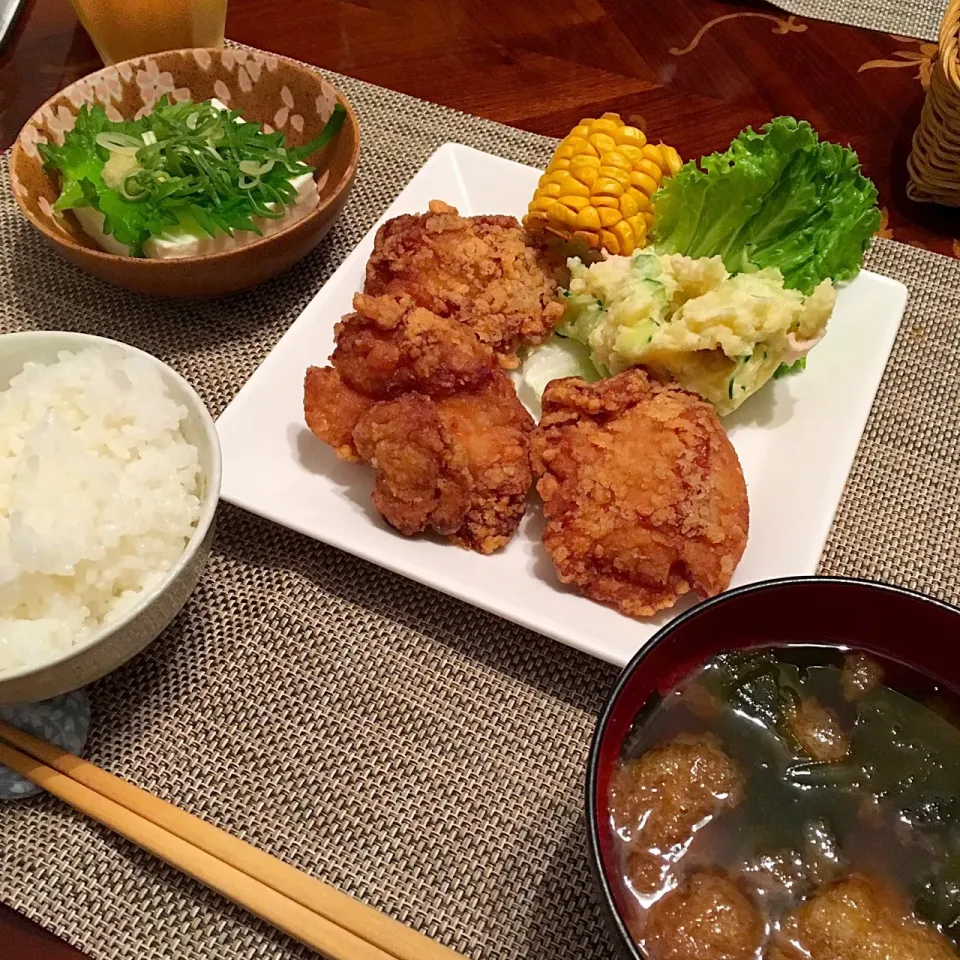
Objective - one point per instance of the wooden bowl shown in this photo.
(276, 92)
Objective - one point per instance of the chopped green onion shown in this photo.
(183, 161)
(118, 142)
(254, 169)
(130, 189)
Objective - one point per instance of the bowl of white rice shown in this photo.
(109, 480)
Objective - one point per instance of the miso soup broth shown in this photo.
(792, 803)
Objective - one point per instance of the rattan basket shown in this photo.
(934, 162)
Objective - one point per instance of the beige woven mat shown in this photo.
(908, 18)
(416, 752)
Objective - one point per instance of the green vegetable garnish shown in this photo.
(183, 165)
(778, 198)
(785, 369)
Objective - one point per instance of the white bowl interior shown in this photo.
(17, 349)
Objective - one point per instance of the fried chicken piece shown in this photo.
(492, 427)
(332, 410)
(707, 917)
(423, 400)
(858, 918)
(422, 478)
(643, 493)
(460, 466)
(659, 800)
(389, 346)
(481, 271)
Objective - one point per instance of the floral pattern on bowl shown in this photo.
(278, 93)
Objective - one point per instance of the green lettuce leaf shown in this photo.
(778, 198)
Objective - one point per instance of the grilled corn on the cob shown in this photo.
(598, 186)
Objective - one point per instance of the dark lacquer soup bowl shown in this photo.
(911, 633)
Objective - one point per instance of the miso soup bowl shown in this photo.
(898, 624)
(278, 93)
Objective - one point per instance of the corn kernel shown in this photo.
(640, 199)
(599, 201)
(551, 190)
(628, 204)
(609, 123)
(562, 214)
(632, 153)
(584, 160)
(651, 170)
(671, 158)
(586, 175)
(608, 187)
(624, 234)
(639, 227)
(609, 241)
(608, 216)
(588, 219)
(579, 145)
(601, 142)
(643, 183)
(621, 176)
(654, 153)
(575, 203)
(631, 135)
(616, 159)
(569, 184)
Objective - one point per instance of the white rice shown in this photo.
(98, 497)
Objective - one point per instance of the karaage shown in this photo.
(388, 346)
(332, 409)
(644, 498)
(422, 478)
(482, 271)
(423, 401)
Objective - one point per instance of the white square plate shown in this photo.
(796, 440)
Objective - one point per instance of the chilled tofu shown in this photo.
(169, 246)
(193, 242)
(189, 240)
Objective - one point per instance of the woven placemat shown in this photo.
(416, 752)
(908, 18)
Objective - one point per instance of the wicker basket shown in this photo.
(934, 162)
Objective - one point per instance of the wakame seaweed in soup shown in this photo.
(793, 803)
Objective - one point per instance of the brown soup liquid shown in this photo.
(793, 803)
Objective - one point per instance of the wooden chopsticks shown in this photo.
(307, 909)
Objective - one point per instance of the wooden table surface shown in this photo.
(695, 71)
